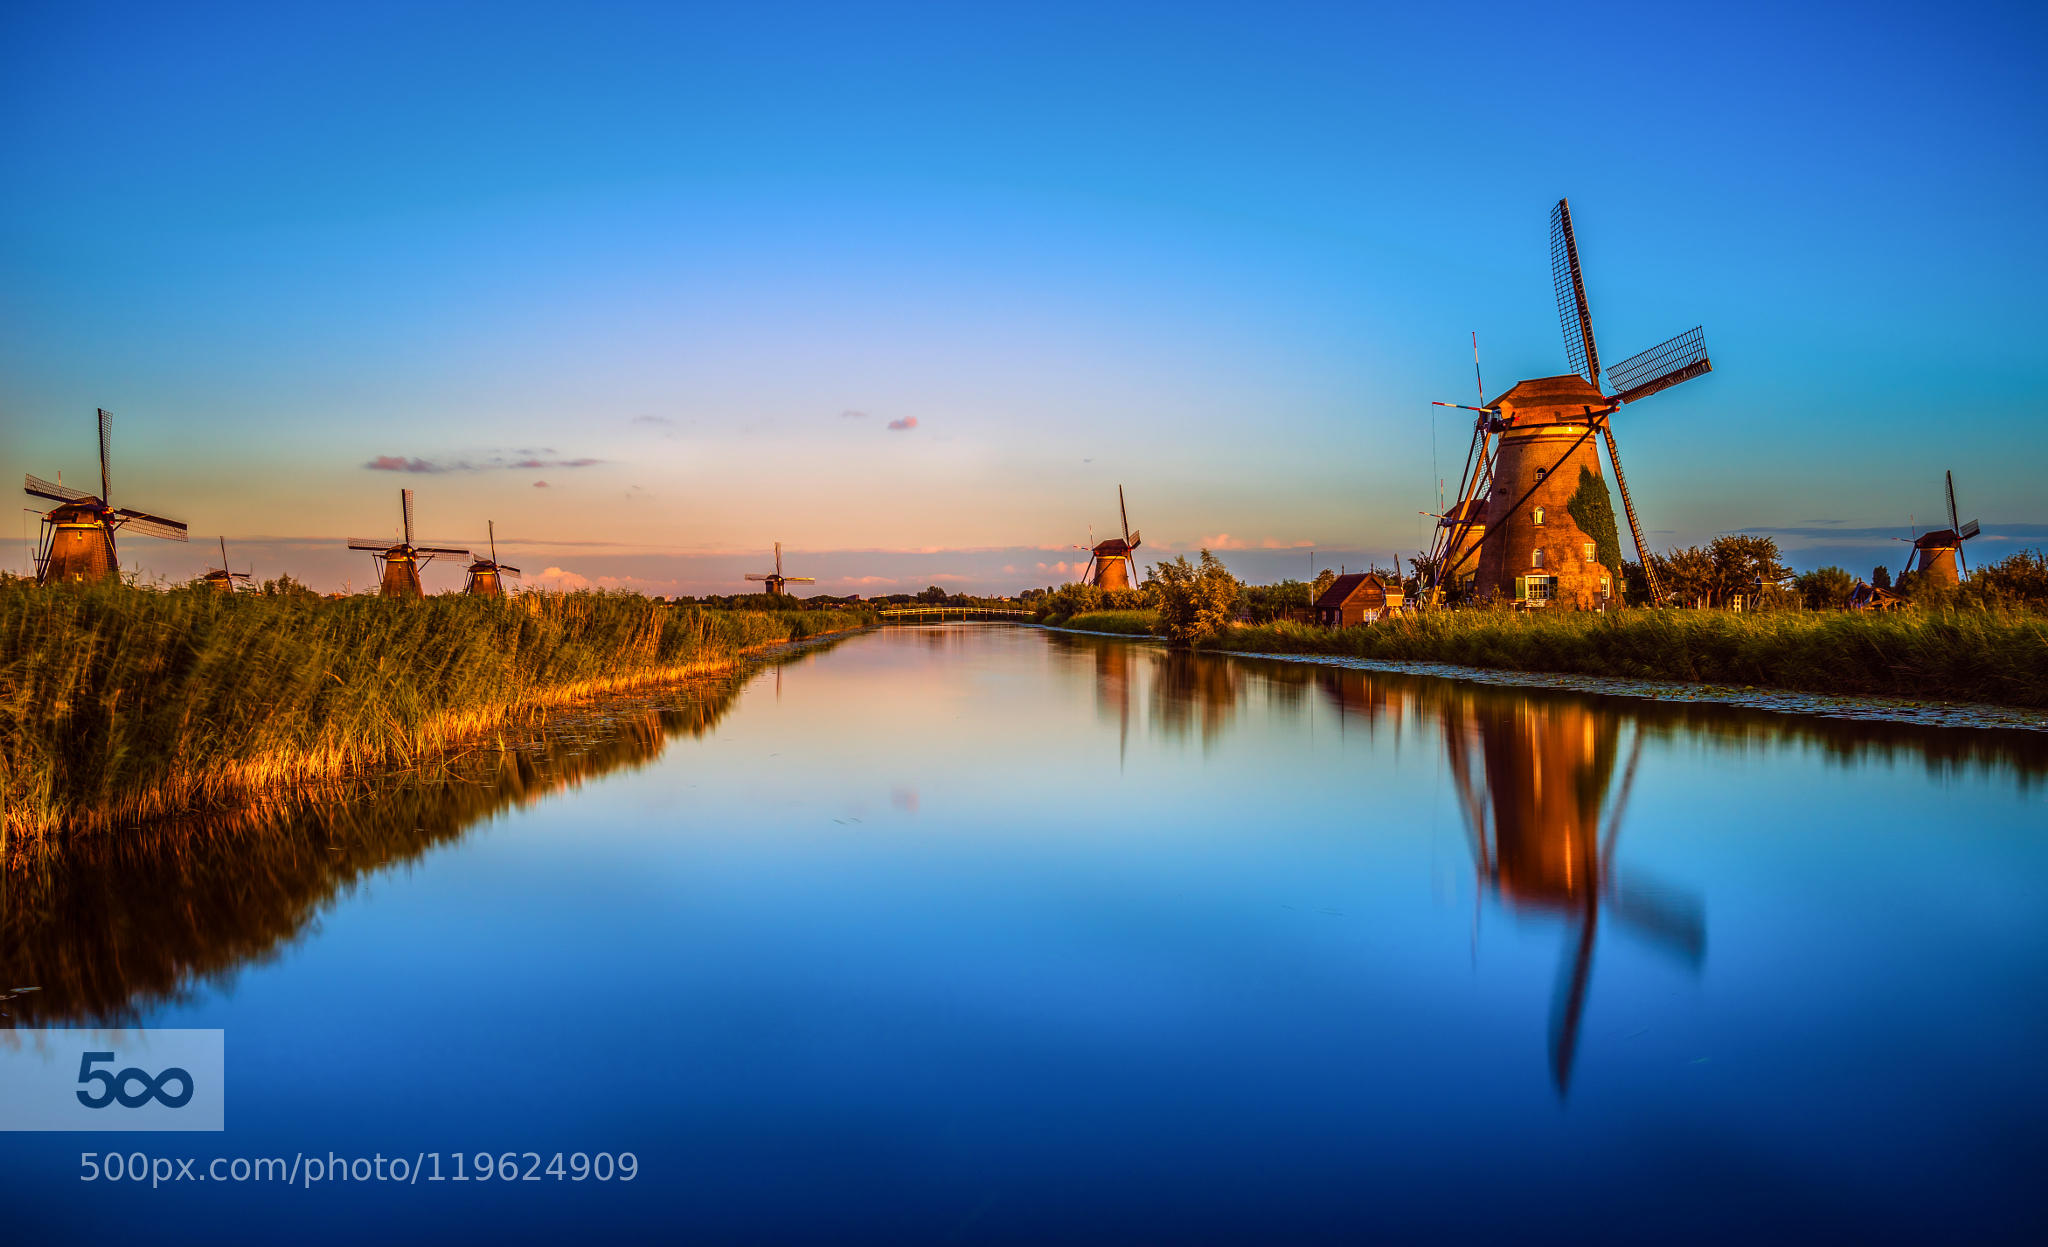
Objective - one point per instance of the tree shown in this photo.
(933, 594)
(2019, 579)
(1744, 564)
(1881, 576)
(1825, 588)
(1195, 602)
(1687, 574)
(1324, 579)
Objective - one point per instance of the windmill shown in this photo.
(484, 574)
(1938, 555)
(399, 562)
(78, 533)
(1543, 830)
(220, 577)
(1531, 469)
(775, 580)
(1109, 562)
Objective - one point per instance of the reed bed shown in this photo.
(118, 704)
(1994, 656)
(1129, 623)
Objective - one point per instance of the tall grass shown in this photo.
(1959, 655)
(1129, 623)
(117, 704)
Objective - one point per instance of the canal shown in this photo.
(974, 932)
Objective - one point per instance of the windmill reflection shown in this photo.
(1536, 780)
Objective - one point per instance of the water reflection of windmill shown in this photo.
(1543, 829)
(775, 580)
(399, 562)
(487, 576)
(221, 578)
(78, 533)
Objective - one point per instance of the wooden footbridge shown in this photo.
(933, 614)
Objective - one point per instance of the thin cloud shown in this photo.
(663, 421)
(399, 463)
(851, 414)
(899, 426)
(528, 461)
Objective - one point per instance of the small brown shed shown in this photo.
(1360, 597)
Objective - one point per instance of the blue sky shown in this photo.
(1224, 255)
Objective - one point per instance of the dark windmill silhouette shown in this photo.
(399, 562)
(220, 577)
(78, 533)
(1937, 556)
(1109, 562)
(1543, 834)
(486, 576)
(775, 580)
(1518, 494)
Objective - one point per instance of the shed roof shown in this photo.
(1341, 589)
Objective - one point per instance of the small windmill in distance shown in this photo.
(399, 562)
(776, 581)
(1109, 562)
(484, 574)
(1938, 555)
(220, 577)
(78, 534)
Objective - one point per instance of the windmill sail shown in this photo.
(1662, 366)
(41, 488)
(151, 525)
(1570, 282)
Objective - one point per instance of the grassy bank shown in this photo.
(1965, 655)
(117, 703)
(1129, 623)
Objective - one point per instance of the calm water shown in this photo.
(976, 933)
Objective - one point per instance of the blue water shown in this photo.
(980, 933)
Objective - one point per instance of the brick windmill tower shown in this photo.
(78, 533)
(1532, 485)
(778, 584)
(1109, 562)
(1937, 555)
(399, 562)
(487, 575)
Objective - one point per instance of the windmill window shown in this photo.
(1589, 551)
(1539, 515)
(1604, 589)
(1541, 588)
(1535, 558)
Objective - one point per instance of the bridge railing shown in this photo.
(923, 614)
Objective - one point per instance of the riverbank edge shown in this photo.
(230, 784)
(1867, 708)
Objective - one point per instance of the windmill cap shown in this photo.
(1567, 393)
(1939, 539)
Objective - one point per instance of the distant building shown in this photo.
(1361, 597)
(1868, 597)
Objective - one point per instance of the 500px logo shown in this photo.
(115, 1086)
(112, 1080)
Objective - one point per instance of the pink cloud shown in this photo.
(542, 485)
(399, 463)
(907, 422)
(1223, 541)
